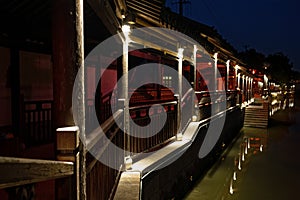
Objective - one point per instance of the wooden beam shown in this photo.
(107, 15)
(21, 171)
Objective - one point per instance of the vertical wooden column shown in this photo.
(246, 88)
(64, 61)
(67, 146)
(238, 88)
(179, 113)
(195, 115)
(235, 77)
(227, 75)
(215, 86)
(15, 90)
(243, 89)
(125, 97)
(251, 91)
(68, 58)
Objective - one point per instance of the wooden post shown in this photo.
(179, 112)
(227, 76)
(67, 146)
(194, 100)
(68, 58)
(215, 69)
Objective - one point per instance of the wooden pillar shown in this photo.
(179, 112)
(243, 89)
(215, 83)
(68, 57)
(236, 77)
(67, 146)
(227, 75)
(194, 100)
(15, 90)
(125, 97)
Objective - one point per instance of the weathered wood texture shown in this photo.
(20, 171)
(129, 186)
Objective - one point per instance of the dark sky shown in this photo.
(269, 26)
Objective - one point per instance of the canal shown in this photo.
(260, 164)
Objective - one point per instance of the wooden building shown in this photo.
(43, 44)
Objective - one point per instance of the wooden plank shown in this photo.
(20, 171)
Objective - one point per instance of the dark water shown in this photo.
(271, 167)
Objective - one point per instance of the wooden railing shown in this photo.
(101, 180)
(206, 99)
(232, 97)
(102, 107)
(23, 173)
(100, 177)
(37, 126)
(186, 109)
(141, 116)
(20, 171)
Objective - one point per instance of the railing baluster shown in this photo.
(38, 122)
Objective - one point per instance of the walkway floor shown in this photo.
(270, 174)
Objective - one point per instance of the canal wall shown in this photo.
(174, 180)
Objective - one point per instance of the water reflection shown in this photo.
(253, 140)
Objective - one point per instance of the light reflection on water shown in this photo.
(253, 142)
(261, 172)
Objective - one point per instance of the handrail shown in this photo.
(186, 94)
(202, 123)
(94, 136)
(148, 105)
(21, 171)
(99, 154)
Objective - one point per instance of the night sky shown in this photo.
(269, 26)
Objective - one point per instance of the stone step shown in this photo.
(256, 112)
(255, 126)
(256, 118)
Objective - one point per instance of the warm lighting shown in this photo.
(180, 53)
(239, 164)
(243, 157)
(130, 18)
(265, 78)
(194, 118)
(216, 56)
(126, 29)
(261, 148)
(68, 129)
(179, 137)
(231, 187)
(123, 14)
(128, 162)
